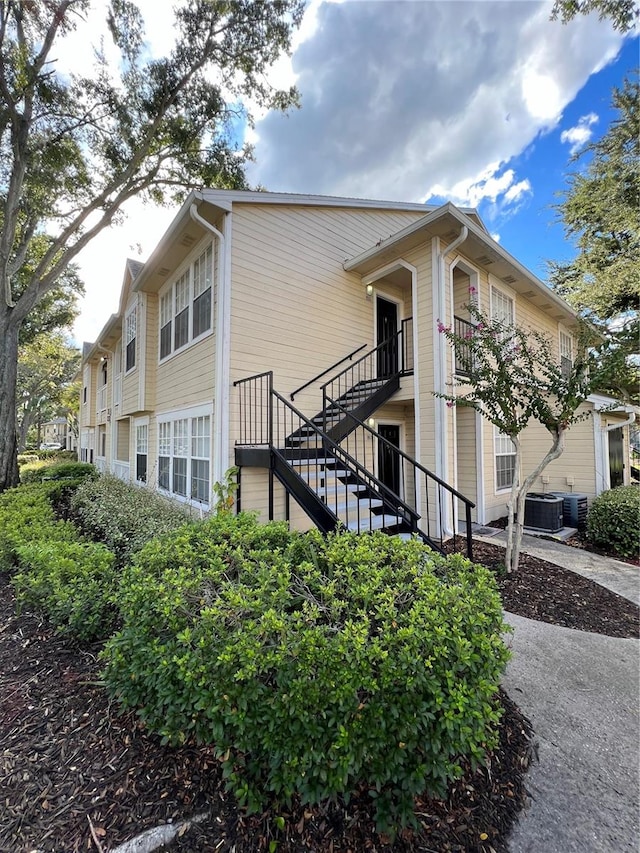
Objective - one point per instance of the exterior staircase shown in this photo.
(324, 462)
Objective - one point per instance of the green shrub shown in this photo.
(73, 583)
(123, 516)
(614, 519)
(314, 665)
(25, 458)
(51, 469)
(33, 472)
(26, 515)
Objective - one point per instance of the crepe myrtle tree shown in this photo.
(513, 377)
(75, 146)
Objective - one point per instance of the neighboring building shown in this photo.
(331, 305)
(57, 432)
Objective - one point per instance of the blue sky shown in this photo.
(533, 234)
(476, 101)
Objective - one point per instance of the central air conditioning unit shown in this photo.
(574, 509)
(543, 512)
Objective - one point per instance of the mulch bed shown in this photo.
(68, 757)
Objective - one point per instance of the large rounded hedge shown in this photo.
(315, 665)
(613, 520)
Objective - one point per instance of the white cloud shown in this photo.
(580, 134)
(495, 237)
(402, 99)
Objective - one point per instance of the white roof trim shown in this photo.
(483, 236)
(601, 401)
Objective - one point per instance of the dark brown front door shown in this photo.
(388, 458)
(386, 334)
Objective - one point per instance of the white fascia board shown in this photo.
(93, 349)
(218, 197)
(170, 234)
(601, 401)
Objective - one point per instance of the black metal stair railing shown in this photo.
(435, 502)
(334, 482)
(331, 490)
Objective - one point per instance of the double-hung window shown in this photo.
(184, 450)
(186, 305)
(502, 309)
(202, 281)
(130, 327)
(182, 304)
(142, 450)
(505, 454)
(566, 353)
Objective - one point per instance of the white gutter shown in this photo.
(630, 420)
(440, 365)
(221, 390)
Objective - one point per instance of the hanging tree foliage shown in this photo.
(75, 147)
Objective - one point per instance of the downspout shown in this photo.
(440, 375)
(220, 403)
(630, 420)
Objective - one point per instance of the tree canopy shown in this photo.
(623, 14)
(600, 210)
(74, 146)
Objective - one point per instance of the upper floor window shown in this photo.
(502, 307)
(131, 323)
(566, 353)
(185, 307)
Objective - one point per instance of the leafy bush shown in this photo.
(25, 458)
(74, 583)
(54, 470)
(26, 515)
(613, 520)
(314, 665)
(123, 516)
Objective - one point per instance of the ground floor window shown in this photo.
(142, 450)
(505, 454)
(184, 449)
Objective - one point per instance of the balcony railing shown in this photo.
(463, 352)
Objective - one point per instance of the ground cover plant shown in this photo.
(314, 665)
(614, 519)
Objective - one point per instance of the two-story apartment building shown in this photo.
(297, 337)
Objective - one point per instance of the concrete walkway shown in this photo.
(581, 692)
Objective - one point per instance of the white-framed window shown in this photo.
(102, 441)
(184, 451)
(505, 456)
(186, 305)
(502, 307)
(142, 452)
(566, 352)
(131, 328)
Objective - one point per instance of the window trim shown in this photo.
(141, 424)
(190, 415)
(169, 290)
(126, 341)
(564, 333)
(499, 490)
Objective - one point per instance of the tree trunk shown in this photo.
(512, 510)
(515, 536)
(9, 475)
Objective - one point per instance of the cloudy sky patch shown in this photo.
(579, 135)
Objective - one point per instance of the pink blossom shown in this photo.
(468, 334)
(472, 290)
(442, 327)
(450, 404)
(480, 327)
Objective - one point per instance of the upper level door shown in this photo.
(386, 334)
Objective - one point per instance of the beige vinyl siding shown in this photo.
(123, 433)
(186, 378)
(466, 453)
(577, 460)
(130, 380)
(148, 377)
(293, 308)
(421, 258)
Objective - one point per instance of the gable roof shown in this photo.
(446, 222)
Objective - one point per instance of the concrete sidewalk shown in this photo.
(581, 692)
